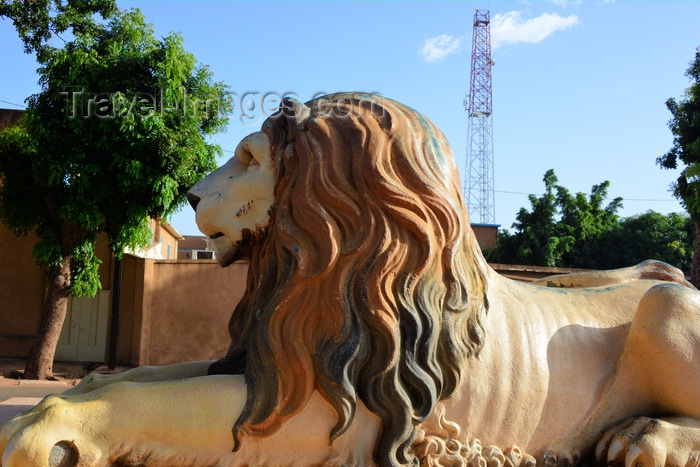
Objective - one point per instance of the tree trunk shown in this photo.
(695, 269)
(40, 360)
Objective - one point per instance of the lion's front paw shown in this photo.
(650, 442)
(62, 454)
(53, 434)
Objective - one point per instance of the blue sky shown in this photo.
(578, 86)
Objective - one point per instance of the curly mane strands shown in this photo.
(369, 282)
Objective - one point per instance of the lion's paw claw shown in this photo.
(645, 442)
(551, 458)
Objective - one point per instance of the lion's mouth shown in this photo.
(216, 235)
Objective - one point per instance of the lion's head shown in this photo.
(365, 279)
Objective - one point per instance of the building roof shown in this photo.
(171, 230)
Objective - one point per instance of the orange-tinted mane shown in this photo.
(368, 283)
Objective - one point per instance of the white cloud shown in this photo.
(563, 3)
(437, 48)
(510, 28)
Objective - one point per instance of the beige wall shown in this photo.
(170, 310)
(530, 273)
(166, 238)
(193, 242)
(23, 288)
(486, 235)
(175, 311)
(22, 285)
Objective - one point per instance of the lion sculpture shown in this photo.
(372, 331)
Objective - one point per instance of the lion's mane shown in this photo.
(368, 282)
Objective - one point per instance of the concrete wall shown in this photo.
(22, 290)
(170, 311)
(530, 273)
(176, 311)
(166, 237)
(486, 234)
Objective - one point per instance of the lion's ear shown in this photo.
(296, 112)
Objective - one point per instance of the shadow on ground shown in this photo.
(70, 373)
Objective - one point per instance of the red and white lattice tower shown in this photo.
(479, 191)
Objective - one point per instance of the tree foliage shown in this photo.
(558, 228)
(685, 126)
(581, 231)
(39, 22)
(92, 151)
(586, 222)
(117, 134)
(540, 242)
(652, 235)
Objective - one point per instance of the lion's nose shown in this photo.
(193, 199)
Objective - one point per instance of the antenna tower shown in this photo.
(479, 193)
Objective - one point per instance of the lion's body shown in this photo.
(372, 328)
(548, 356)
(562, 365)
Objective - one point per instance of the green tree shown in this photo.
(579, 231)
(536, 241)
(651, 235)
(116, 135)
(685, 126)
(559, 227)
(540, 240)
(585, 220)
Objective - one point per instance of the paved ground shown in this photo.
(65, 374)
(18, 395)
(8, 392)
